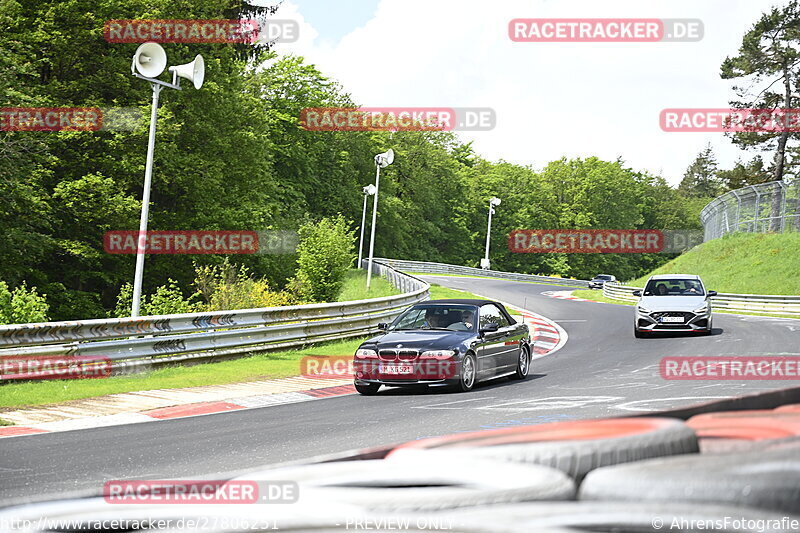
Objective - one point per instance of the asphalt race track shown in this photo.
(601, 371)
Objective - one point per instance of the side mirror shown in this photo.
(489, 328)
(383, 326)
(712, 293)
(637, 293)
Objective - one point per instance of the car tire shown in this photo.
(367, 389)
(523, 364)
(466, 382)
(574, 447)
(638, 334)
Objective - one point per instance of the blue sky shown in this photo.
(334, 19)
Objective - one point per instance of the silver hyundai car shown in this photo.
(673, 302)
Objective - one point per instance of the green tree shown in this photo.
(700, 179)
(22, 305)
(324, 256)
(742, 175)
(768, 57)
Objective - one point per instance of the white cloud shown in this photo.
(552, 100)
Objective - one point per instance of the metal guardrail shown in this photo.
(144, 341)
(745, 303)
(442, 268)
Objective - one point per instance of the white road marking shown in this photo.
(638, 405)
(440, 405)
(553, 402)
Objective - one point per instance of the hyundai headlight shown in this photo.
(701, 310)
(643, 310)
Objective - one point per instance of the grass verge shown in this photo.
(418, 274)
(355, 287)
(256, 367)
(597, 296)
(741, 263)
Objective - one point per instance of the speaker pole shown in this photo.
(148, 63)
(148, 178)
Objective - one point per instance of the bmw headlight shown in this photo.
(366, 353)
(438, 354)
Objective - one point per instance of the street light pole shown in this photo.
(494, 202)
(369, 190)
(381, 161)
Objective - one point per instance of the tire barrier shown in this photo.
(422, 484)
(623, 517)
(575, 448)
(765, 479)
(746, 425)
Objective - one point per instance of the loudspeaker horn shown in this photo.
(194, 71)
(150, 60)
(385, 159)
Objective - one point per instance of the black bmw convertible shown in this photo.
(454, 342)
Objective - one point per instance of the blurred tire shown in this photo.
(768, 478)
(746, 425)
(422, 484)
(628, 517)
(575, 448)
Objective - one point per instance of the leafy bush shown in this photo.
(22, 305)
(325, 254)
(227, 286)
(167, 300)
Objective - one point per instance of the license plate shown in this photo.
(396, 369)
(672, 319)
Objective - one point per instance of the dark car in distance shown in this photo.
(454, 342)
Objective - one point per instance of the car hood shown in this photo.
(672, 303)
(417, 339)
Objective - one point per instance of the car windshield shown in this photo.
(603, 277)
(436, 317)
(674, 287)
